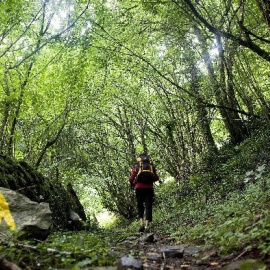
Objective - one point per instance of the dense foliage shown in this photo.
(86, 86)
(227, 207)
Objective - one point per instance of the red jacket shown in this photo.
(141, 185)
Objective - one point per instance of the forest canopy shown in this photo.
(86, 86)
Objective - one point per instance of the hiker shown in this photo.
(142, 178)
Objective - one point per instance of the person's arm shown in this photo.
(132, 176)
(155, 175)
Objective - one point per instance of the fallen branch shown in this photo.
(26, 187)
(6, 265)
(240, 255)
(49, 250)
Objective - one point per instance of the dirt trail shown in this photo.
(150, 251)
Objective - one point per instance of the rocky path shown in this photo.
(155, 252)
(150, 251)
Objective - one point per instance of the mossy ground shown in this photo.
(62, 250)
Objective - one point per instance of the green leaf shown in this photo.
(85, 262)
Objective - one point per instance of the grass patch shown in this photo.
(67, 250)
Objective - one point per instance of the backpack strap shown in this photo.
(140, 163)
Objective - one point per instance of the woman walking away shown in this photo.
(142, 177)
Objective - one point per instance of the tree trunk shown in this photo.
(17, 112)
(226, 96)
(128, 131)
(254, 86)
(202, 114)
(50, 143)
(231, 119)
(4, 125)
(79, 208)
(264, 6)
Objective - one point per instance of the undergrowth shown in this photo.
(226, 205)
(65, 250)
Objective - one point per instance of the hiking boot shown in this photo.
(146, 230)
(141, 229)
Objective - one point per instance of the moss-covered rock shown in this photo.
(21, 177)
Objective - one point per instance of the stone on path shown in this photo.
(148, 238)
(76, 223)
(127, 262)
(191, 249)
(152, 256)
(172, 251)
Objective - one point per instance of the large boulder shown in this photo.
(23, 216)
(22, 178)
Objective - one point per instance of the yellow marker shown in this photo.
(5, 213)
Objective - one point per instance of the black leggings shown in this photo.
(144, 201)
